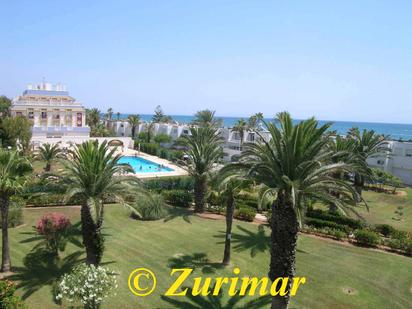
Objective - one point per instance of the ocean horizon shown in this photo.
(395, 131)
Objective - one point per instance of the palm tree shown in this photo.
(100, 131)
(229, 186)
(203, 151)
(343, 149)
(14, 169)
(93, 175)
(206, 118)
(93, 117)
(367, 145)
(48, 153)
(109, 116)
(255, 122)
(294, 165)
(118, 116)
(134, 121)
(149, 131)
(241, 127)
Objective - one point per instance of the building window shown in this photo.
(43, 115)
(19, 114)
(380, 162)
(79, 119)
(185, 132)
(408, 152)
(31, 115)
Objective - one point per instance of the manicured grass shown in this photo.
(385, 208)
(395, 210)
(378, 280)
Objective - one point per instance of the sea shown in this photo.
(394, 131)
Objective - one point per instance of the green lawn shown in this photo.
(378, 280)
(395, 210)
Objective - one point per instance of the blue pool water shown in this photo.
(141, 165)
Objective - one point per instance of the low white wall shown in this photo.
(67, 141)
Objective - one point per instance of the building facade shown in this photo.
(53, 112)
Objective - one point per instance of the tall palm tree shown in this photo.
(49, 153)
(14, 170)
(343, 149)
(93, 117)
(134, 121)
(229, 186)
(367, 145)
(255, 121)
(93, 175)
(203, 150)
(294, 165)
(206, 117)
(149, 131)
(241, 127)
(109, 115)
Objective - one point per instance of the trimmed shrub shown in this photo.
(247, 200)
(333, 217)
(367, 238)
(180, 198)
(385, 229)
(150, 206)
(245, 213)
(8, 299)
(169, 183)
(318, 223)
(54, 228)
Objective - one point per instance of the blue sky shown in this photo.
(336, 60)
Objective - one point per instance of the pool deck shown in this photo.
(177, 171)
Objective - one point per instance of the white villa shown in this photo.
(54, 112)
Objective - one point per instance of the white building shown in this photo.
(397, 160)
(53, 111)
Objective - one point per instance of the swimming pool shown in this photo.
(141, 165)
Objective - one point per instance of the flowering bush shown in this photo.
(54, 228)
(7, 297)
(88, 285)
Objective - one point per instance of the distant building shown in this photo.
(53, 111)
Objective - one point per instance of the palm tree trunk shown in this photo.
(284, 236)
(229, 221)
(5, 257)
(48, 167)
(359, 184)
(133, 131)
(200, 194)
(92, 237)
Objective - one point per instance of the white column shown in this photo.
(74, 119)
(83, 119)
(62, 118)
(50, 118)
(36, 118)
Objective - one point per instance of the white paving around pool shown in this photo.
(177, 171)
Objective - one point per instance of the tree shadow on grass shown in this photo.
(176, 212)
(194, 261)
(216, 302)
(248, 240)
(42, 268)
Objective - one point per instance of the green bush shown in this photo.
(245, 213)
(8, 299)
(169, 183)
(367, 238)
(395, 244)
(319, 223)
(333, 217)
(150, 206)
(248, 200)
(162, 138)
(401, 235)
(15, 211)
(385, 229)
(180, 198)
